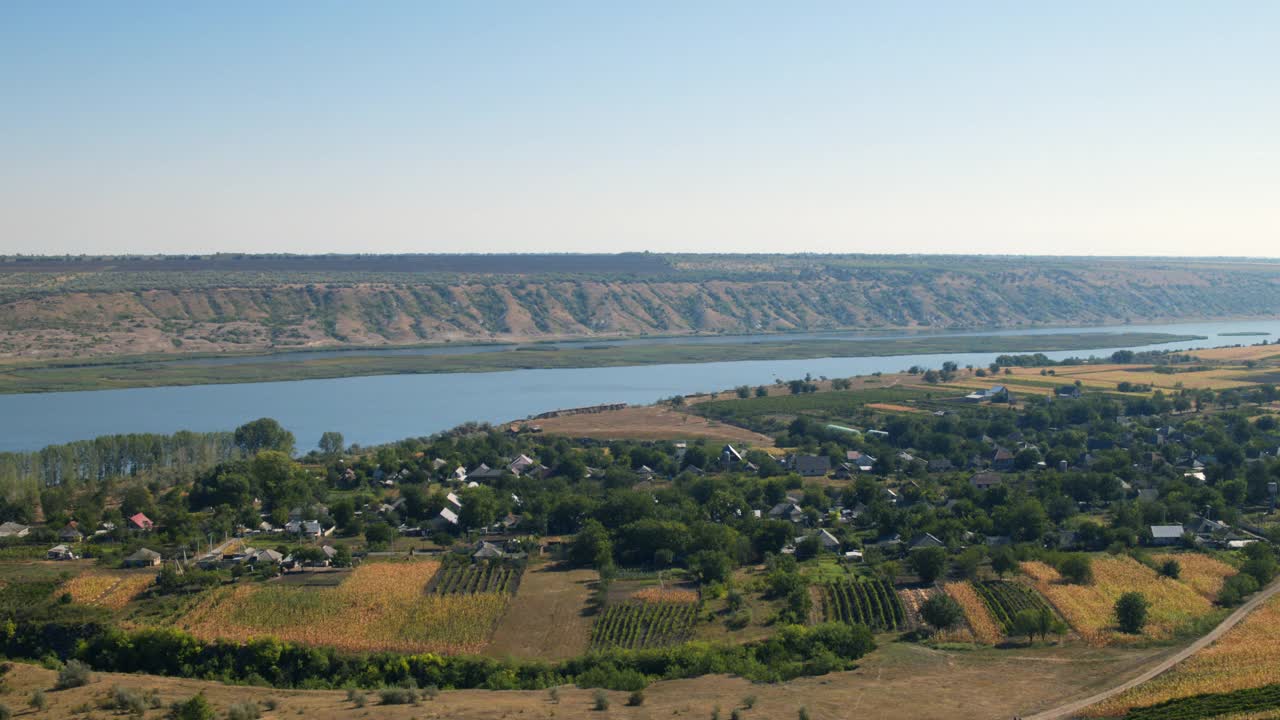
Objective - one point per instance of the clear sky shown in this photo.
(1142, 127)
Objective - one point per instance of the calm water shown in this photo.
(369, 410)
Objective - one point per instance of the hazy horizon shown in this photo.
(1005, 129)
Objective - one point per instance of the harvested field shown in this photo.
(1246, 657)
(1248, 352)
(891, 407)
(548, 617)
(1090, 608)
(650, 423)
(380, 606)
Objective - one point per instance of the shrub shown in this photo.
(244, 711)
(398, 696)
(128, 700)
(194, 708)
(38, 701)
(1236, 588)
(1170, 569)
(1076, 569)
(73, 675)
(941, 611)
(1131, 612)
(749, 702)
(636, 698)
(554, 695)
(602, 700)
(804, 713)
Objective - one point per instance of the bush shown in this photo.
(194, 708)
(636, 699)
(244, 711)
(554, 695)
(397, 696)
(1170, 569)
(73, 675)
(1131, 612)
(5, 712)
(602, 700)
(1076, 569)
(38, 701)
(1236, 588)
(804, 713)
(749, 702)
(129, 700)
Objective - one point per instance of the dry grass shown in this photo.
(548, 618)
(666, 595)
(1203, 573)
(107, 589)
(1090, 608)
(982, 625)
(1218, 379)
(1247, 656)
(650, 423)
(1249, 352)
(891, 407)
(380, 606)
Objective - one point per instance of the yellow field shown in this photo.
(983, 626)
(1090, 608)
(666, 595)
(381, 606)
(105, 589)
(1204, 574)
(1246, 657)
(1249, 352)
(1217, 379)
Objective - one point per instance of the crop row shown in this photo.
(867, 602)
(1211, 705)
(644, 625)
(469, 579)
(1006, 599)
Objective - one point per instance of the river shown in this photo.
(371, 410)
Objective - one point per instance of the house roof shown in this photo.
(144, 554)
(1166, 532)
(140, 520)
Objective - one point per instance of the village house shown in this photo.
(60, 552)
(1166, 534)
(787, 511)
(70, 534)
(142, 558)
(139, 521)
(985, 480)
(811, 465)
(12, 529)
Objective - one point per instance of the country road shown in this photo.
(1070, 709)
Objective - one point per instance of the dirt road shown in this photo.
(1070, 709)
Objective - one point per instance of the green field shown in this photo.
(62, 376)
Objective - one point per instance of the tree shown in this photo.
(1170, 569)
(194, 708)
(928, 562)
(1026, 622)
(1260, 562)
(379, 534)
(1076, 569)
(592, 546)
(941, 612)
(1003, 562)
(479, 507)
(263, 434)
(1131, 612)
(710, 566)
(331, 444)
(968, 561)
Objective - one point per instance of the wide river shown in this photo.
(370, 410)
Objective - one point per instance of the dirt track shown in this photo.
(1070, 709)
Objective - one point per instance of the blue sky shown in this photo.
(1038, 128)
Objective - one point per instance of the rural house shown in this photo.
(142, 558)
(811, 465)
(1166, 534)
(140, 522)
(985, 480)
(70, 534)
(11, 529)
(60, 552)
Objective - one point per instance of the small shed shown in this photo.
(142, 558)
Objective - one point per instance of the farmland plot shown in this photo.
(985, 629)
(1242, 660)
(106, 589)
(636, 625)
(1203, 573)
(1005, 600)
(472, 578)
(868, 602)
(1090, 608)
(381, 606)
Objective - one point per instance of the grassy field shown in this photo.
(379, 606)
(1090, 608)
(25, 377)
(974, 684)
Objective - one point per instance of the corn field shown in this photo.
(108, 590)
(985, 628)
(634, 625)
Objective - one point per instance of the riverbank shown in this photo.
(146, 372)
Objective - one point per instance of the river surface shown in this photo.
(377, 409)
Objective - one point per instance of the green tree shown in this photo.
(928, 562)
(1131, 612)
(331, 444)
(942, 612)
(592, 546)
(379, 534)
(1076, 569)
(263, 434)
(1170, 569)
(479, 507)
